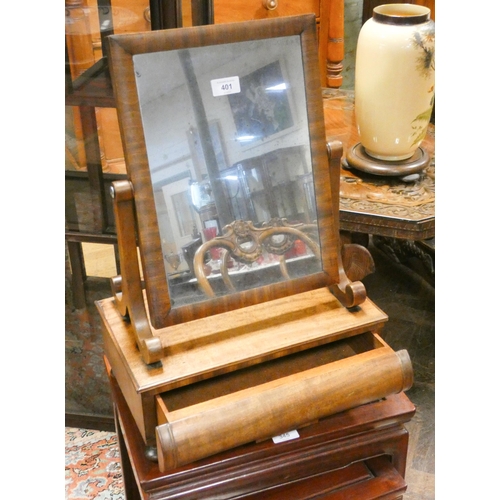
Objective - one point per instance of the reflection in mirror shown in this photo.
(230, 163)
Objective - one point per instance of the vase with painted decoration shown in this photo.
(394, 80)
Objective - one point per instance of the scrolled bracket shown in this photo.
(349, 293)
(127, 288)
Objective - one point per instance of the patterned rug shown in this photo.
(93, 469)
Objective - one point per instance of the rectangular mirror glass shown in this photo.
(227, 139)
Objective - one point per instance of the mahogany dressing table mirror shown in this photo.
(233, 319)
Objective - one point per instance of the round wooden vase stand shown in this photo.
(358, 159)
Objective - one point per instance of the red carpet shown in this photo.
(93, 469)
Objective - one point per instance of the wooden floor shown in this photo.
(99, 260)
(409, 302)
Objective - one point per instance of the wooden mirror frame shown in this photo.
(122, 50)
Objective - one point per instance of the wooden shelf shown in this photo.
(92, 88)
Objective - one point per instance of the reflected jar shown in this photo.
(394, 80)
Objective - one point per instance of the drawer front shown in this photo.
(245, 10)
(269, 399)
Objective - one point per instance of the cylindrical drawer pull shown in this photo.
(147, 14)
(270, 4)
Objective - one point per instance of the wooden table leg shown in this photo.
(416, 255)
(78, 275)
(129, 482)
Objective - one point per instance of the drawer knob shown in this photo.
(270, 4)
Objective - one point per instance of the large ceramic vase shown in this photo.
(394, 80)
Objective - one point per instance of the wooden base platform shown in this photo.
(359, 453)
(260, 359)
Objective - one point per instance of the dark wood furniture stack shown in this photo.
(356, 454)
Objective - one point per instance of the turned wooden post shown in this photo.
(335, 45)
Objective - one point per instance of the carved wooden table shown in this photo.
(400, 215)
(359, 453)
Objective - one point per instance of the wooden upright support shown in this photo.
(127, 289)
(335, 45)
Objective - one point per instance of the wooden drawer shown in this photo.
(221, 413)
(245, 10)
(375, 479)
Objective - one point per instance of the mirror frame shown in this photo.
(122, 49)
